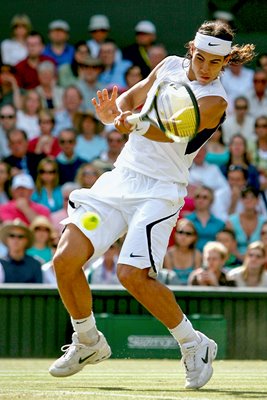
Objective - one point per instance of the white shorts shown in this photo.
(128, 202)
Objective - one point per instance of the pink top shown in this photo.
(9, 211)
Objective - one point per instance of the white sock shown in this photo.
(86, 329)
(184, 332)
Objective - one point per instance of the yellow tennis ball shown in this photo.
(90, 220)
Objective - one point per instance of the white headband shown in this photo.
(212, 45)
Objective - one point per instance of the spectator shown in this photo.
(252, 273)
(211, 274)
(72, 103)
(21, 206)
(48, 192)
(217, 152)
(17, 266)
(262, 62)
(20, 159)
(87, 175)
(113, 72)
(240, 122)
(203, 173)
(68, 161)
(45, 143)
(48, 272)
(42, 230)
(137, 53)
(156, 53)
(182, 258)
(133, 75)
(7, 123)
(227, 238)
(206, 224)
(247, 223)
(237, 177)
(88, 82)
(99, 29)
(104, 270)
(258, 95)
(116, 142)
(69, 73)
(59, 49)
(58, 216)
(263, 239)
(90, 144)
(27, 117)
(240, 157)
(51, 94)
(26, 70)
(4, 182)
(14, 50)
(9, 90)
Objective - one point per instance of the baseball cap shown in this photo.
(92, 61)
(22, 180)
(145, 27)
(98, 22)
(59, 24)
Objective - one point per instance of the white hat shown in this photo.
(22, 180)
(59, 24)
(145, 27)
(99, 22)
(225, 15)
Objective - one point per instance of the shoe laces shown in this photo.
(70, 349)
(189, 358)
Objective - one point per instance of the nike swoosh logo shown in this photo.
(81, 360)
(213, 44)
(135, 255)
(206, 359)
(80, 322)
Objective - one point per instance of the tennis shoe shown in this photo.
(197, 359)
(77, 355)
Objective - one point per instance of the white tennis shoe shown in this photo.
(197, 359)
(77, 355)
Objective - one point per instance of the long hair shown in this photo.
(41, 165)
(257, 245)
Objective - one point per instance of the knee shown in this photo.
(131, 277)
(59, 264)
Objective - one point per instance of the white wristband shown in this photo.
(141, 128)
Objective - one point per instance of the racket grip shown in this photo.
(133, 119)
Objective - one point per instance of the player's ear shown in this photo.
(226, 60)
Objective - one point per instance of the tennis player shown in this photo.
(142, 197)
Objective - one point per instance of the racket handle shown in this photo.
(133, 119)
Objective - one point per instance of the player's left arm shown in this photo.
(211, 109)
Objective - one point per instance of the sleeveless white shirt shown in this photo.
(168, 161)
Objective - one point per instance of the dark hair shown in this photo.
(228, 231)
(246, 155)
(234, 167)
(24, 134)
(35, 33)
(250, 189)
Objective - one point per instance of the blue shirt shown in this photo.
(64, 58)
(54, 204)
(89, 150)
(205, 233)
(26, 270)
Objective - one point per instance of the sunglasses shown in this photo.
(43, 171)
(42, 228)
(110, 140)
(17, 236)
(264, 233)
(45, 121)
(241, 107)
(89, 173)
(200, 196)
(7, 116)
(255, 255)
(186, 233)
(261, 126)
(259, 81)
(70, 141)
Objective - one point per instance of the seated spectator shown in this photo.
(206, 224)
(104, 270)
(14, 49)
(132, 76)
(240, 122)
(20, 159)
(261, 62)
(69, 73)
(48, 191)
(45, 143)
(156, 53)
(17, 266)
(237, 178)
(51, 94)
(217, 152)
(257, 96)
(4, 183)
(21, 206)
(42, 230)
(26, 70)
(263, 239)
(9, 90)
(211, 274)
(87, 175)
(48, 272)
(90, 144)
(27, 116)
(246, 224)
(58, 216)
(252, 273)
(68, 161)
(72, 103)
(8, 119)
(239, 156)
(182, 258)
(227, 238)
(116, 142)
(58, 48)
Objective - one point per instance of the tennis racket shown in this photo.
(172, 108)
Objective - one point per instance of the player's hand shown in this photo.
(121, 123)
(105, 105)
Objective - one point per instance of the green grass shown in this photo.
(131, 380)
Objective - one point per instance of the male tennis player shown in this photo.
(142, 196)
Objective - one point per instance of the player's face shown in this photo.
(205, 67)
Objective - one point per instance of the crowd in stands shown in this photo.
(51, 143)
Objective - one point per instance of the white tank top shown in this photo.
(169, 161)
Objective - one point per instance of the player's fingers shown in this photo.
(94, 102)
(114, 93)
(104, 94)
